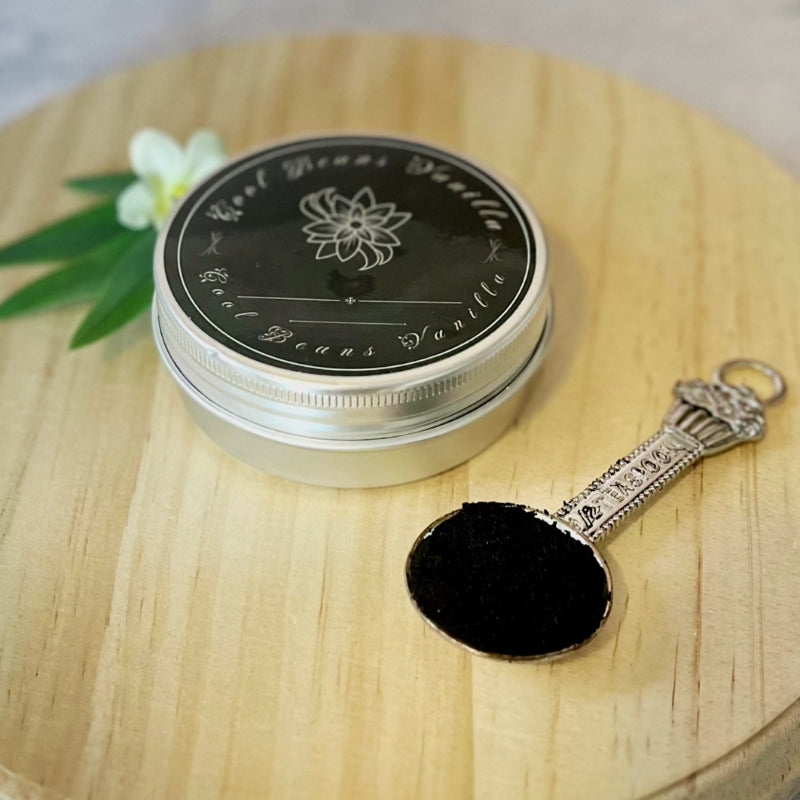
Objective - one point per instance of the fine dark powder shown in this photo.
(499, 579)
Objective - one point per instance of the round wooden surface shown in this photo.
(174, 624)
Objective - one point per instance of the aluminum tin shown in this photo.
(255, 349)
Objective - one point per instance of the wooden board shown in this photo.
(174, 624)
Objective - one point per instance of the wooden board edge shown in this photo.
(766, 766)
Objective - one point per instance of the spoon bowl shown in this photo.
(509, 581)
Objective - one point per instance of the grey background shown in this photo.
(738, 60)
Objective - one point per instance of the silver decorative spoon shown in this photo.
(510, 581)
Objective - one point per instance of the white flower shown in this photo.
(347, 228)
(166, 172)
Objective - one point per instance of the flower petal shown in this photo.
(322, 230)
(345, 232)
(311, 205)
(364, 197)
(372, 256)
(204, 153)
(135, 206)
(348, 247)
(326, 250)
(396, 220)
(384, 251)
(379, 214)
(340, 206)
(153, 154)
(382, 236)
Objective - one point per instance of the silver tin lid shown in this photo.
(351, 287)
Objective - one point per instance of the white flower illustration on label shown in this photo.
(349, 228)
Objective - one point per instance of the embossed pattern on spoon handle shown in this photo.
(706, 418)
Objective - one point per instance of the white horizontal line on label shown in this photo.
(346, 322)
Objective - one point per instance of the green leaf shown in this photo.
(106, 185)
(80, 279)
(128, 291)
(69, 237)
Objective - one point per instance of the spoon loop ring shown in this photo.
(778, 383)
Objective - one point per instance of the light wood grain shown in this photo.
(174, 624)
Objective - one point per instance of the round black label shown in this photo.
(349, 255)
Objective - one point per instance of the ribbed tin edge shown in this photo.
(253, 442)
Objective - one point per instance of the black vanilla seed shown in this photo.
(504, 581)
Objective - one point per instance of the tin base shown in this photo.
(360, 463)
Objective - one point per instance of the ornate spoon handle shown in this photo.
(706, 418)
